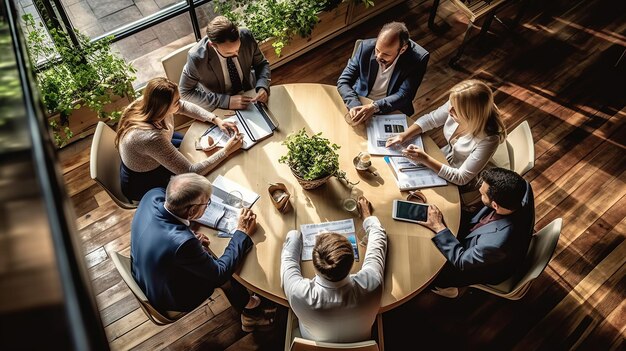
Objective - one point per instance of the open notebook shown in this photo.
(255, 123)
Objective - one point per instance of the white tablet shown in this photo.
(409, 211)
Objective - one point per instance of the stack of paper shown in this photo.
(409, 175)
(226, 199)
(382, 127)
(311, 231)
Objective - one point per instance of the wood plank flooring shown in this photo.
(557, 70)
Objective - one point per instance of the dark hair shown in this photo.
(333, 256)
(221, 30)
(506, 188)
(399, 29)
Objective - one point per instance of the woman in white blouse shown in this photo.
(148, 143)
(473, 128)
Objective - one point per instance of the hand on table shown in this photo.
(204, 240)
(365, 207)
(234, 143)
(261, 96)
(239, 102)
(230, 128)
(247, 222)
(395, 141)
(434, 221)
(414, 153)
(361, 114)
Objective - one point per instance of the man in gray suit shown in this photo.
(491, 246)
(223, 65)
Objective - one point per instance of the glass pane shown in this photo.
(27, 7)
(148, 47)
(205, 13)
(97, 17)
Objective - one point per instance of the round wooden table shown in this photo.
(412, 259)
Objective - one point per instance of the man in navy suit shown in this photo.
(170, 262)
(388, 70)
(492, 245)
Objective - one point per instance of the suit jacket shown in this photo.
(342, 311)
(360, 74)
(492, 253)
(169, 263)
(202, 80)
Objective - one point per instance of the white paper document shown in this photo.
(382, 127)
(409, 175)
(310, 232)
(255, 123)
(227, 199)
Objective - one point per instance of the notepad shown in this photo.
(255, 123)
(309, 232)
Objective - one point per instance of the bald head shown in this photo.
(185, 190)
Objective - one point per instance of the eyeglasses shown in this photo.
(201, 204)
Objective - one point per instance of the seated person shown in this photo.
(388, 70)
(148, 144)
(220, 66)
(171, 263)
(492, 243)
(336, 306)
(473, 128)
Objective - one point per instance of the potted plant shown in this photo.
(77, 79)
(312, 159)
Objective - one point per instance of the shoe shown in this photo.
(257, 319)
(450, 293)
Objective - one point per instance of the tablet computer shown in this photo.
(409, 211)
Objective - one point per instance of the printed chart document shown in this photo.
(310, 232)
(409, 175)
(382, 127)
(227, 199)
(255, 123)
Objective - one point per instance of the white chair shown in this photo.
(295, 342)
(123, 265)
(104, 165)
(540, 251)
(173, 64)
(357, 43)
(521, 148)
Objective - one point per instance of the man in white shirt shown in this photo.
(223, 65)
(388, 70)
(336, 306)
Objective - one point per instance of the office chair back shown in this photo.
(104, 165)
(123, 265)
(357, 43)
(521, 148)
(540, 251)
(173, 64)
(295, 342)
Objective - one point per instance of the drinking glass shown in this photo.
(235, 199)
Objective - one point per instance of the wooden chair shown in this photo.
(542, 246)
(521, 148)
(104, 165)
(475, 10)
(295, 342)
(123, 265)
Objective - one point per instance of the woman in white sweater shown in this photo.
(473, 128)
(148, 143)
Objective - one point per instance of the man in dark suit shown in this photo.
(222, 65)
(388, 70)
(171, 263)
(491, 246)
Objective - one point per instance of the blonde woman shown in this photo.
(471, 125)
(148, 144)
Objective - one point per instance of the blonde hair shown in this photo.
(472, 101)
(149, 111)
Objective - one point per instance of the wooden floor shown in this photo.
(557, 71)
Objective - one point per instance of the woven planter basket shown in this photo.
(310, 184)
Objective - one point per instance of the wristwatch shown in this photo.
(376, 108)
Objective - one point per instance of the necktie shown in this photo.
(235, 81)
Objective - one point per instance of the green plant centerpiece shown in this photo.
(312, 159)
(88, 74)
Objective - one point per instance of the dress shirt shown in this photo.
(379, 89)
(342, 311)
(227, 83)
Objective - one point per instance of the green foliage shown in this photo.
(311, 157)
(277, 19)
(85, 75)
